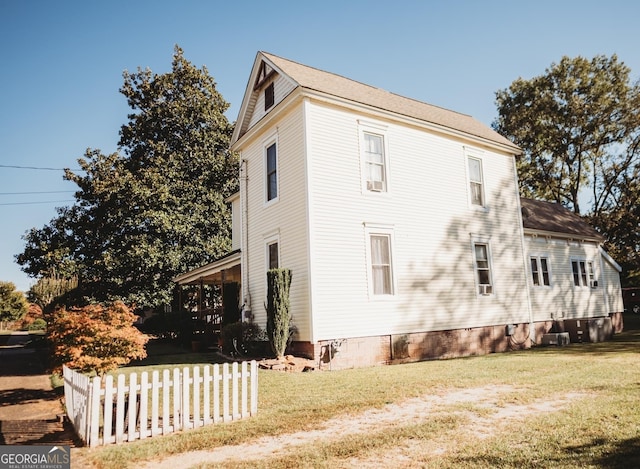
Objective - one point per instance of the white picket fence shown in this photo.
(159, 404)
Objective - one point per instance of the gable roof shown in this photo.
(313, 79)
(538, 215)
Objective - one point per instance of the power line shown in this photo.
(37, 168)
(36, 192)
(42, 202)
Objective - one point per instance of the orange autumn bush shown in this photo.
(95, 338)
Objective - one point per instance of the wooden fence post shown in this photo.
(144, 404)
(94, 412)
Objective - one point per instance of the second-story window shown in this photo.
(476, 188)
(375, 162)
(272, 172)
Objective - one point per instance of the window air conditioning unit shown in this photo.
(485, 289)
(593, 283)
(374, 186)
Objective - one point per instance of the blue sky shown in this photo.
(63, 63)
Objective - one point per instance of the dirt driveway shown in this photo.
(30, 409)
(25, 388)
(412, 411)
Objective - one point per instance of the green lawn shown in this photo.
(593, 391)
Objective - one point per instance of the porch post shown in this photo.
(222, 278)
(200, 288)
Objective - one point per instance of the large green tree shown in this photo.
(49, 250)
(620, 225)
(578, 127)
(154, 209)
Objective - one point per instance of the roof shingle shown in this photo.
(552, 217)
(339, 86)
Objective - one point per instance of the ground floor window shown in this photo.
(381, 264)
(540, 271)
(272, 253)
(483, 267)
(583, 273)
(380, 260)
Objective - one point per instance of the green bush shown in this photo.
(278, 283)
(38, 325)
(241, 338)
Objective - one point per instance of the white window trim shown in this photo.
(265, 177)
(380, 129)
(268, 241)
(590, 266)
(478, 155)
(385, 230)
(539, 256)
(481, 239)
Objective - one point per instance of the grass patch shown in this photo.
(598, 429)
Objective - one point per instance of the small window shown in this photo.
(269, 98)
(583, 273)
(483, 268)
(272, 172)
(540, 271)
(272, 252)
(374, 159)
(381, 273)
(476, 189)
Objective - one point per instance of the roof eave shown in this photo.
(247, 95)
(230, 260)
(563, 235)
(323, 96)
(302, 91)
(281, 107)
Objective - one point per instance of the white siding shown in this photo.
(285, 218)
(611, 278)
(427, 207)
(562, 299)
(281, 88)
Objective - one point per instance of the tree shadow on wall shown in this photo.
(446, 278)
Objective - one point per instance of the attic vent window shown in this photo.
(268, 97)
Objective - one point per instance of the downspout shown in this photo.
(244, 195)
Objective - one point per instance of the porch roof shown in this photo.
(212, 272)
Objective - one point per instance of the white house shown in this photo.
(573, 282)
(401, 223)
